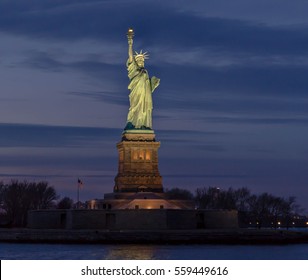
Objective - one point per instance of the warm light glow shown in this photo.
(278, 223)
(92, 204)
(148, 155)
(307, 223)
(135, 155)
(121, 155)
(138, 154)
(141, 154)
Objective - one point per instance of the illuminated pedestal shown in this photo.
(138, 184)
(138, 163)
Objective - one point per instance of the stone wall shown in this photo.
(183, 219)
(226, 218)
(141, 219)
(41, 219)
(86, 219)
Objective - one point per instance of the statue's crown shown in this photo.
(141, 55)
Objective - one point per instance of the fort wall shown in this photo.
(131, 219)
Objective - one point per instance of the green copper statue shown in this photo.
(141, 88)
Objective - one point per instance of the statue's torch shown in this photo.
(130, 33)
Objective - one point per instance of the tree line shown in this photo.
(17, 198)
(260, 210)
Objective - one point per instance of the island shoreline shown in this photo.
(218, 237)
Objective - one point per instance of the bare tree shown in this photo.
(42, 195)
(209, 198)
(20, 197)
(177, 193)
(65, 203)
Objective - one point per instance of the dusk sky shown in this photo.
(231, 109)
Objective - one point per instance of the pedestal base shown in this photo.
(138, 163)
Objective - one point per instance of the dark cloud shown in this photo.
(45, 163)
(259, 121)
(43, 61)
(248, 80)
(154, 23)
(63, 19)
(51, 176)
(70, 136)
(53, 136)
(241, 167)
(204, 176)
(108, 97)
(50, 62)
(210, 147)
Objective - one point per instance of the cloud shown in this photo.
(259, 121)
(90, 63)
(21, 135)
(224, 58)
(104, 21)
(264, 81)
(106, 97)
(263, 11)
(63, 19)
(43, 61)
(47, 136)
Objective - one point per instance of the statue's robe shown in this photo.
(140, 97)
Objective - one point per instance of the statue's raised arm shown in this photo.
(141, 88)
(130, 35)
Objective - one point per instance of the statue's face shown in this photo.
(140, 62)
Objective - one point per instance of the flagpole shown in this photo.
(78, 186)
(79, 183)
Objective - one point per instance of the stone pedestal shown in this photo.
(138, 163)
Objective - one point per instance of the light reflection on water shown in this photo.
(146, 252)
(131, 252)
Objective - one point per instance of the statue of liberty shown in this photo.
(141, 88)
